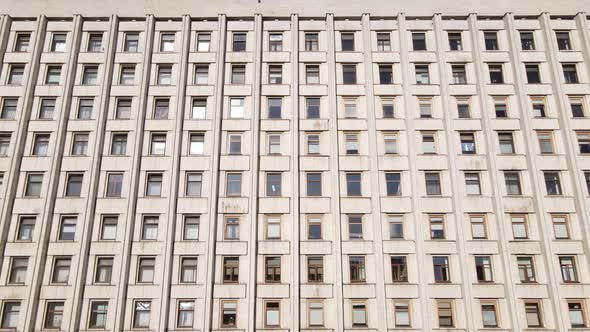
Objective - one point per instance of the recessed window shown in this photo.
(459, 74)
(90, 75)
(231, 267)
(190, 230)
(18, 270)
(312, 74)
(10, 314)
(119, 144)
(359, 314)
(351, 143)
(444, 310)
(315, 269)
(33, 185)
(203, 41)
(315, 313)
(273, 184)
(201, 74)
(560, 227)
(491, 40)
(273, 227)
(167, 42)
(234, 143)
(577, 107)
(40, 144)
(419, 41)
(463, 109)
(506, 142)
(108, 228)
(22, 42)
(533, 314)
(519, 227)
(123, 109)
(425, 106)
(347, 41)
(47, 109)
(433, 186)
(145, 269)
(141, 314)
(552, 183)
(94, 43)
(161, 108)
(314, 228)
(154, 184)
(545, 139)
(500, 108)
(239, 42)
(98, 314)
(58, 42)
(16, 74)
(236, 110)
(275, 74)
(441, 269)
(80, 144)
(390, 142)
(455, 41)
(538, 105)
(526, 269)
(199, 108)
(149, 228)
(158, 144)
(383, 41)
(275, 106)
(399, 268)
(563, 40)
(53, 75)
(436, 223)
(131, 42)
(313, 143)
(577, 313)
(312, 108)
(274, 143)
(567, 265)
(496, 73)
(314, 184)
(483, 268)
(193, 184)
(61, 270)
(527, 41)
(353, 184)
(233, 184)
(489, 315)
(349, 74)
(275, 42)
(396, 226)
(570, 73)
(85, 106)
(393, 184)
(104, 270)
(533, 73)
(428, 143)
(385, 74)
(26, 227)
(312, 41)
(238, 74)
(355, 227)
(54, 315)
(272, 268)
(188, 269)
(231, 228)
(114, 184)
(357, 269)
(229, 314)
(467, 143)
(127, 75)
(350, 108)
(512, 182)
(164, 75)
(478, 227)
(422, 73)
(472, 184)
(74, 185)
(186, 312)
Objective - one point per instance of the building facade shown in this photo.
(295, 172)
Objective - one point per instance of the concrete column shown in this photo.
(5, 23)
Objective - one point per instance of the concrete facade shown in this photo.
(288, 171)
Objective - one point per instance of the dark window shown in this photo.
(552, 183)
(496, 74)
(563, 40)
(491, 40)
(239, 42)
(532, 73)
(353, 184)
(393, 184)
(441, 268)
(347, 41)
(527, 40)
(570, 74)
(74, 185)
(314, 184)
(419, 41)
(349, 73)
(399, 269)
(455, 41)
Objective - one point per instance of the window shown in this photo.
(196, 143)
(472, 184)
(273, 184)
(567, 265)
(312, 74)
(167, 42)
(272, 268)
(158, 144)
(351, 143)
(108, 231)
(239, 42)
(186, 311)
(355, 227)
(577, 313)
(419, 41)
(314, 228)
(190, 230)
(478, 227)
(563, 40)
(18, 270)
(22, 43)
(519, 227)
(53, 75)
(61, 270)
(433, 186)
(455, 42)
(238, 74)
(359, 314)
(422, 74)
(385, 74)
(570, 73)
(311, 41)
(33, 185)
(235, 143)
(483, 268)
(437, 227)
(47, 109)
(15, 77)
(234, 184)
(232, 228)
(104, 270)
(203, 41)
(193, 184)
(383, 41)
(188, 269)
(127, 76)
(390, 141)
(347, 41)
(98, 314)
(145, 271)
(74, 184)
(8, 108)
(154, 184)
(94, 42)
(538, 104)
(54, 315)
(463, 109)
(459, 74)
(353, 184)
(512, 182)
(114, 184)
(314, 184)
(586, 176)
(402, 314)
(577, 107)
(79, 144)
(149, 228)
(161, 107)
(545, 142)
(231, 269)
(141, 314)
(236, 108)
(312, 108)
(526, 269)
(85, 106)
(489, 314)
(349, 73)
(275, 42)
(10, 313)
(275, 74)
(201, 74)
(500, 107)
(273, 227)
(491, 40)
(533, 314)
(67, 229)
(90, 75)
(119, 144)
(26, 227)
(123, 110)
(313, 144)
(396, 226)
(425, 106)
(441, 269)
(552, 183)
(533, 74)
(445, 313)
(506, 142)
(467, 143)
(131, 43)
(496, 73)
(164, 75)
(58, 42)
(527, 41)
(315, 311)
(199, 108)
(315, 269)
(275, 106)
(428, 143)
(560, 226)
(274, 144)
(357, 269)
(399, 268)
(393, 184)
(40, 144)
(387, 108)
(229, 314)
